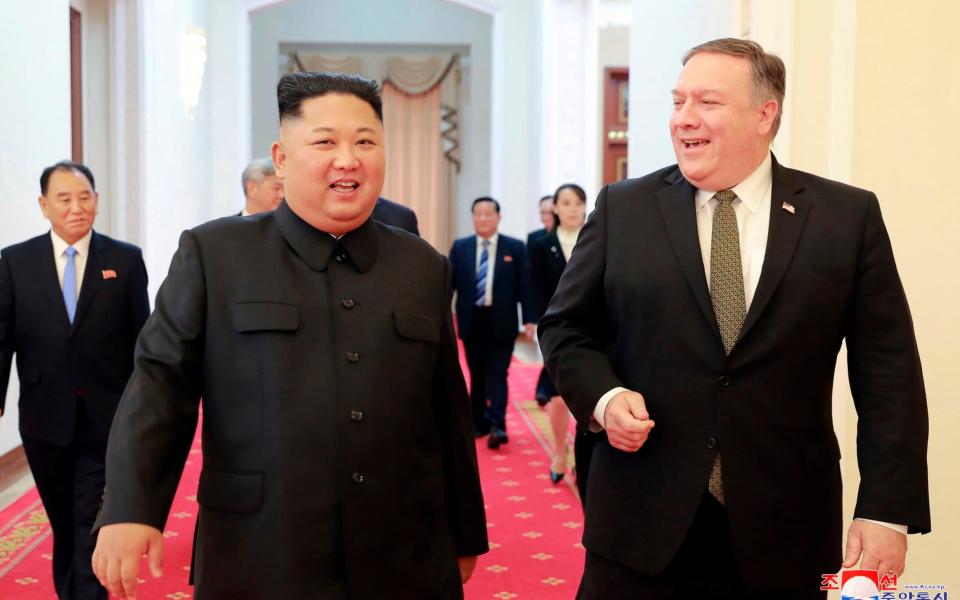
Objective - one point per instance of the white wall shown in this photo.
(35, 129)
(661, 32)
(176, 147)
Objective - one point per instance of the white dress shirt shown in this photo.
(752, 208)
(491, 263)
(82, 246)
(567, 239)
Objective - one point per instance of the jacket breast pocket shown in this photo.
(265, 316)
(230, 491)
(416, 326)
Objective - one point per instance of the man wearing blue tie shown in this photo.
(72, 302)
(491, 279)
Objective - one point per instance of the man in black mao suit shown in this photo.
(491, 278)
(71, 305)
(699, 324)
(338, 457)
(398, 215)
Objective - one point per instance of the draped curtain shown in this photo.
(420, 113)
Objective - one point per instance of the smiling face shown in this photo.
(719, 133)
(70, 204)
(331, 160)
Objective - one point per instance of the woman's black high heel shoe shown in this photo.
(556, 477)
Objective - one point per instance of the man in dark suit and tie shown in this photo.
(699, 324)
(338, 455)
(397, 215)
(72, 302)
(491, 279)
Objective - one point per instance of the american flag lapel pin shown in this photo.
(109, 274)
(789, 208)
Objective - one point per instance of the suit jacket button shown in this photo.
(356, 415)
(340, 258)
(724, 380)
(353, 357)
(711, 442)
(358, 478)
(348, 303)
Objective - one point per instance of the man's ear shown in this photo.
(768, 115)
(43, 206)
(279, 157)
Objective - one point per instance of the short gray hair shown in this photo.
(769, 74)
(257, 170)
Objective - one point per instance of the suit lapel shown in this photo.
(556, 252)
(679, 216)
(782, 239)
(51, 281)
(92, 279)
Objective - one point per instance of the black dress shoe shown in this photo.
(556, 477)
(496, 439)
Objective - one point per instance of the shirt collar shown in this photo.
(751, 190)
(82, 246)
(493, 239)
(316, 247)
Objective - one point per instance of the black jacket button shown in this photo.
(711, 442)
(353, 357)
(356, 415)
(724, 380)
(358, 478)
(348, 303)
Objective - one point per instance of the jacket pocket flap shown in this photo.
(415, 326)
(232, 492)
(265, 316)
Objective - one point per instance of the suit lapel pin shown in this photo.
(507, 258)
(553, 249)
(789, 208)
(109, 274)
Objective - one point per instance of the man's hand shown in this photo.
(467, 565)
(627, 422)
(883, 549)
(116, 559)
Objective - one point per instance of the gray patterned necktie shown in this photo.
(726, 292)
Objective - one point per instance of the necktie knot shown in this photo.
(725, 196)
(486, 244)
(70, 251)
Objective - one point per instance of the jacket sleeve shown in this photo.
(522, 272)
(574, 331)
(888, 391)
(157, 416)
(463, 497)
(7, 341)
(137, 297)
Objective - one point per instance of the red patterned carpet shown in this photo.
(534, 526)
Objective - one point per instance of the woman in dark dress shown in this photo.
(549, 256)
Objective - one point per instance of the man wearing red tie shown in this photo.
(72, 302)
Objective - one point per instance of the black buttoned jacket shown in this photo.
(337, 445)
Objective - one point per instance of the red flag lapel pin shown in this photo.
(507, 258)
(789, 208)
(109, 274)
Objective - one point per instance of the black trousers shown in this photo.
(70, 481)
(488, 359)
(704, 567)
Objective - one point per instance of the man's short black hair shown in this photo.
(294, 88)
(496, 204)
(65, 165)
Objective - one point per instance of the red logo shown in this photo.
(858, 583)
